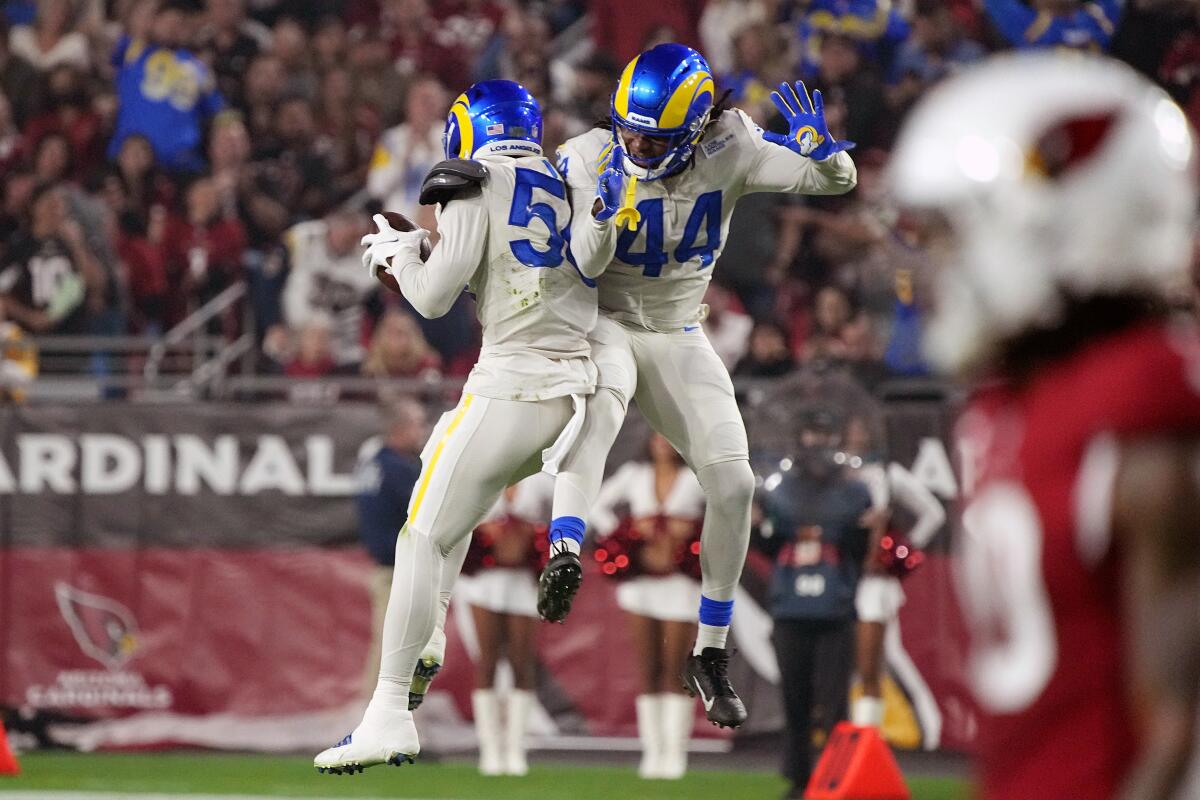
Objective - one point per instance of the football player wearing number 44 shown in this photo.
(502, 215)
(652, 198)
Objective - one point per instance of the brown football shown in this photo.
(400, 223)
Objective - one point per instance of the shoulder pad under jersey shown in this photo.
(450, 178)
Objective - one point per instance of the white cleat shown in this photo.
(369, 748)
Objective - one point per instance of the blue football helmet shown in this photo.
(493, 118)
(667, 92)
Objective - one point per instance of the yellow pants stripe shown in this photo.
(437, 454)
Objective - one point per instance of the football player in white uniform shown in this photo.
(652, 198)
(502, 218)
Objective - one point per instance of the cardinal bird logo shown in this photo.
(104, 629)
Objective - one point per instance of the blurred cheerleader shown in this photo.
(879, 595)
(504, 559)
(655, 553)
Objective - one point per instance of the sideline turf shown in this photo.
(211, 773)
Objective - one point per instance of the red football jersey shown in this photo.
(1039, 575)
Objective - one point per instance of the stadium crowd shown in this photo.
(155, 152)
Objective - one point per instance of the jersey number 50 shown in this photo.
(524, 211)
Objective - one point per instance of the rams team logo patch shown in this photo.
(809, 139)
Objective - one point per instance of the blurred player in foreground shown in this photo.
(1058, 197)
(503, 207)
(652, 193)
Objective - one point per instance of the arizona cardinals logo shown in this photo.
(104, 629)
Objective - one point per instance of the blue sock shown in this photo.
(567, 533)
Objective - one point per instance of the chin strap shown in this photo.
(628, 216)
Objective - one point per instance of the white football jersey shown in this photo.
(656, 276)
(507, 245)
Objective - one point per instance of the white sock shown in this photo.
(867, 711)
(710, 636)
(567, 544)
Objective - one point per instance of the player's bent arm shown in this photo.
(1156, 492)
(913, 495)
(777, 169)
(593, 241)
(433, 286)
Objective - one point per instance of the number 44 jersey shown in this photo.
(507, 244)
(1039, 573)
(656, 275)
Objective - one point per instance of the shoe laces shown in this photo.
(717, 668)
(559, 548)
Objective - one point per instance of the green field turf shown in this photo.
(207, 773)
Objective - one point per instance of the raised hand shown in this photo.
(807, 134)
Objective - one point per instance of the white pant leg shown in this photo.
(685, 393)
(477, 449)
(579, 476)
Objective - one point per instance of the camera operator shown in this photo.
(812, 526)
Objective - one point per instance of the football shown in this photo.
(400, 223)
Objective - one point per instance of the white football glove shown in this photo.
(388, 242)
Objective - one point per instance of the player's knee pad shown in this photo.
(728, 484)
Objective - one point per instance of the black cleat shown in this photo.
(707, 675)
(423, 675)
(558, 584)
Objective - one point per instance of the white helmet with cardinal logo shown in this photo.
(1055, 177)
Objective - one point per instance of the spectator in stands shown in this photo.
(136, 185)
(936, 47)
(314, 356)
(144, 258)
(346, 133)
(812, 527)
(18, 361)
(388, 468)
(18, 79)
(49, 270)
(51, 40)
(378, 84)
(590, 95)
(852, 89)
(329, 44)
(69, 112)
(11, 142)
(399, 350)
(327, 278)
(228, 42)
(289, 43)
(832, 312)
(874, 27)
(204, 250)
(721, 23)
(406, 153)
(769, 355)
(52, 158)
(303, 167)
(1056, 23)
(756, 71)
(165, 92)
(18, 188)
(262, 89)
